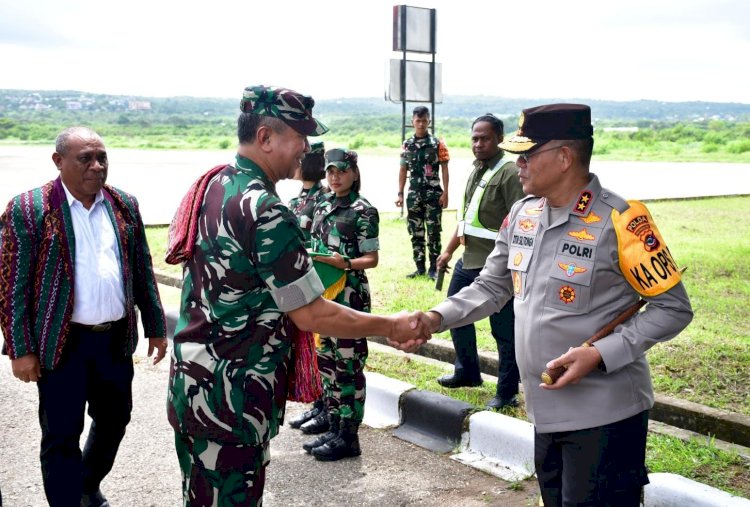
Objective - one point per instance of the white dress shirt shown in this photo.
(99, 291)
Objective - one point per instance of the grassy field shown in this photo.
(705, 364)
(709, 236)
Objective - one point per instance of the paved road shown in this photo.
(159, 178)
(390, 472)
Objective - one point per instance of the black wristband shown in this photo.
(400, 194)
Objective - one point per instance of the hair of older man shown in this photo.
(62, 143)
(583, 148)
(249, 123)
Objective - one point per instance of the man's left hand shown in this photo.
(160, 344)
(580, 361)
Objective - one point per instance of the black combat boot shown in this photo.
(419, 272)
(316, 409)
(333, 423)
(345, 445)
(317, 424)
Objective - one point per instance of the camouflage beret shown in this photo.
(293, 108)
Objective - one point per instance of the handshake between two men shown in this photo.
(411, 330)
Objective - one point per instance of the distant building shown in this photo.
(73, 105)
(139, 105)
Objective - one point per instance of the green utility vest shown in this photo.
(469, 223)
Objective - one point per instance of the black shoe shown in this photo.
(96, 499)
(419, 272)
(452, 381)
(432, 274)
(316, 409)
(498, 403)
(316, 425)
(345, 445)
(333, 432)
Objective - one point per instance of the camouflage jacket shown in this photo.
(303, 205)
(231, 349)
(422, 157)
(348, 225)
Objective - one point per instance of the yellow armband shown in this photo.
(644, 257)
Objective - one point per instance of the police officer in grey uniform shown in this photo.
(573, 256)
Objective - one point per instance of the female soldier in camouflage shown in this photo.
(346, 226)
(311, 172)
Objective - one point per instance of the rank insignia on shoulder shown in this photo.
(584, 200)
(582, 235)
(591, 218)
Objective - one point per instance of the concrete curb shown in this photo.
(432, 421)
(504, 446)
(724, 425)
(382, 400)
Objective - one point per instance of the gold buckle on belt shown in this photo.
(99, 328)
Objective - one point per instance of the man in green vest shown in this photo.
(491, 190)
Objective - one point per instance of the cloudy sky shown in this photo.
(672, 50)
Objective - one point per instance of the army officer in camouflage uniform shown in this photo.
(247, 280)
(345, 225)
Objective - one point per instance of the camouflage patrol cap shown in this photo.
(317, 148)
(341, 158)
(293, 108)
(540, 124)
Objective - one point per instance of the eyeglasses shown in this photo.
(525, 157)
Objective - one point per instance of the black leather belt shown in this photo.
(98, 328)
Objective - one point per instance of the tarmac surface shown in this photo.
(159, 178)
(390, 472)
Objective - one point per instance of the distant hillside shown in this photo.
(30, 102)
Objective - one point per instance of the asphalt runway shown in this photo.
(159, 178)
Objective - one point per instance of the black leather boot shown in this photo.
(333, 423)
(317, 424)
(345, 445)
(301, 419)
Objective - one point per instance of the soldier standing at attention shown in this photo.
(422, 155)
(491, 190)
(345, 225)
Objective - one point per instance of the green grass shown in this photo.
(709, 236)
(696, 459)
(706, 363)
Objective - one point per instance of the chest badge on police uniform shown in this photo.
(591, 218)
(582, 235)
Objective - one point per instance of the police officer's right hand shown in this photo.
(399, 201)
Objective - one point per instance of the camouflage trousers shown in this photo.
(424, 212)
(221, 475)
(342, 369)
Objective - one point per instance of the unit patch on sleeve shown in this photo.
(645, 259)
